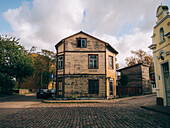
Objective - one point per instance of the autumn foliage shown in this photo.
(140, 56)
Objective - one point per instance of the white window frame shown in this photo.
(60, 62)
(93, 61)
(111, 63)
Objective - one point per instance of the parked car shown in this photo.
(53, 90)
(43, 94)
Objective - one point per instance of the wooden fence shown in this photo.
(130, 91)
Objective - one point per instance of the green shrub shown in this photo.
(6, 84)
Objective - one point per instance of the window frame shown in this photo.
(81, 42)
(109, 62)
(161, 35)
(93, 63)
(96, 92)
(58, 66)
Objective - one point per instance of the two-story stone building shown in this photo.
(86, 67)
(161, 52)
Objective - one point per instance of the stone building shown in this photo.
(85, 67)
(161, 53)
(137, 76)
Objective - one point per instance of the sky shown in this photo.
(125, 24)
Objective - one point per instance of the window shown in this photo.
(93, 61)
(93, 86)
(81, 42)
(111, 62)
(60, 62)
(161, 35)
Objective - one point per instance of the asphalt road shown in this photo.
(13, 104)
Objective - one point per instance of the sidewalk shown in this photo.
(157, 108)
(93, 100)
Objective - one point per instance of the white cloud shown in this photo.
(126, 43)
(46, 22)
(127, 25)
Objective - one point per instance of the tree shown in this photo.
(14, 59)
(140, 56)
(44, 65)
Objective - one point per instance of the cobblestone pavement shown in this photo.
(123, 114)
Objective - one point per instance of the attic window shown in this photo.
(81, 42)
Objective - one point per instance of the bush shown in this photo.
(6, 84)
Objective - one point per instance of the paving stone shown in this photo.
(84, 115)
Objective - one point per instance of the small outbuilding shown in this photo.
(134, 80)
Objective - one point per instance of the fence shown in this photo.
(130, 91)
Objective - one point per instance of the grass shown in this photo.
(13, 94)
(4, 95)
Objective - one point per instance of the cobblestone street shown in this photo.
(125, 113)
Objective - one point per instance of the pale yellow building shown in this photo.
(86, 67)
(161, 52)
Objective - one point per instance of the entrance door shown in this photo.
(166, 76)
(111, 87)
(60, 89)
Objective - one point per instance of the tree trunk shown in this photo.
(19, 83)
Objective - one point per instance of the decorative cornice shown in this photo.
(161, 48)
(167, 34)
(153, 35)
(167, 16)
(152, 46)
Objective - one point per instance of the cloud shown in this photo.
(125, 44)
(46, 22)
(127, 25)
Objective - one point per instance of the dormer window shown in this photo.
(81, 42)
(161, 35)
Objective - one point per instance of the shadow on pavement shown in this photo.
(20, 98)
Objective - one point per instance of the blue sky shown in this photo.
(4, 6)
(125, 24)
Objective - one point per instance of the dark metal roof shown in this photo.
(133, 66)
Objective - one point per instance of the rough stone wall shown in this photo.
(61, 48)
(134, 76)
(92, 44)
(146, 85)
(77, 63)
(77, 85)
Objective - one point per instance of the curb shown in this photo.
(70, 101)
(155, 110)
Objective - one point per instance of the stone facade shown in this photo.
(74, 75)
(138, 76)
(161, 53)
(78, 85)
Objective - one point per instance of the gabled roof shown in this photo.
(110, 48)
(132, 66)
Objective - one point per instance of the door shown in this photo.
(166, 79)
(60, 89)
(111, 87)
